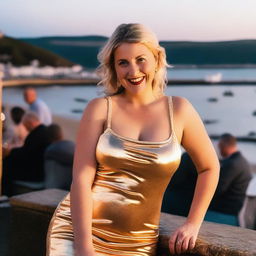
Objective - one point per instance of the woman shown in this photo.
(116, 192)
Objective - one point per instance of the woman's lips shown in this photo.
(136, 81)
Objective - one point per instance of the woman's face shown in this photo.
(135, 67)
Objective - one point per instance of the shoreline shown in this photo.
(22, 82)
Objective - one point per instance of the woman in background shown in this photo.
(128, 148)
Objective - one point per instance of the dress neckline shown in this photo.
(138, 141)
(170, 114)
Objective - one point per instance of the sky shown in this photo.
(193, 20)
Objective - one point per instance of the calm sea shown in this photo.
(223, 108)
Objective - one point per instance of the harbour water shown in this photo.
(223, 108)
(245, 74)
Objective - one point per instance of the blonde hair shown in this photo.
(130, 33)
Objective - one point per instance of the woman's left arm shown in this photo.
(197, 143)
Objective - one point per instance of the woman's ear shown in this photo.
(157, 58)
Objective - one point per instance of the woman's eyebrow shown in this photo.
(122, 60)
(142, 55)
(139, 56)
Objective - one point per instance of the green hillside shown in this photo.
(241, 52)
(84, 49)
(21, 53)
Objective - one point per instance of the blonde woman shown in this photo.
(128, 148)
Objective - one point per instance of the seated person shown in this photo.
(17, 131)
(179, 193)
(58, 160)
(234, 178)
(26, 163)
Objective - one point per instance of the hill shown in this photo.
(84, 49)
(240, 52)
(21, 53)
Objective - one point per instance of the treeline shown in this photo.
(21, 53)
(83, 50)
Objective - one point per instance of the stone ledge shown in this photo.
(43, 200)
(214, 239)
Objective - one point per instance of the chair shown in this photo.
(58, 165)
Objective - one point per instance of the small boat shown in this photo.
(77, 111)
(228, 93)
(210, 121)
(81, 100)
(214, 78)
(212, 99)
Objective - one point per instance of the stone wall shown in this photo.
(31, 214)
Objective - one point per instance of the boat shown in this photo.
(213, 78)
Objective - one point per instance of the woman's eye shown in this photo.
(122, 63)
(141, 59)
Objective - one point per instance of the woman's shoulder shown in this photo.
(183, 109)
(181, 103)
(97, 102)
(96, 107)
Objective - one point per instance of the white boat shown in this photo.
(213, 78)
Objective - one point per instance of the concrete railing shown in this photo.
(31, 214)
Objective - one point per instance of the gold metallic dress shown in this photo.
(131, 178)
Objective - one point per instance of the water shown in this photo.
(232, 114)
(246, 74)
(229, 114)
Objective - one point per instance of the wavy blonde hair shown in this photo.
(130, 33)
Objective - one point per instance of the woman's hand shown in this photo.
(184, 238)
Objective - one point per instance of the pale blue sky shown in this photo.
(196, 20)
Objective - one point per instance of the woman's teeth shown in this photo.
(136, 81)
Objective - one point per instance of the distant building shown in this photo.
(1, 34)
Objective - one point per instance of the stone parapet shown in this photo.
(31, 214)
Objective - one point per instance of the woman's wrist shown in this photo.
(195, 223)
(84, 249)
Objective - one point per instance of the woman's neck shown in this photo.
(143, 98)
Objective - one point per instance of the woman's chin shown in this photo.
(136, 89)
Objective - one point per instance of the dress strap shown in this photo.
(109, 114)
(171, 113)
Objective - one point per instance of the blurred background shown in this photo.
(53, 46)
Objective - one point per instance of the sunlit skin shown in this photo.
(135, 67)
(139, 114)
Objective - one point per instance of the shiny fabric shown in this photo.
(131, 178)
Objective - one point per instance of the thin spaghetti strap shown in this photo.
(171, 113)
(109, 114)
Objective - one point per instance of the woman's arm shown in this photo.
(84, 169)
(197, 143)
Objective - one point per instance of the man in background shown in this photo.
(234, 179)
(26, 163)
(38, 106)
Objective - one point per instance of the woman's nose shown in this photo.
(133, 70)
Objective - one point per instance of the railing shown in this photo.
(32, 212)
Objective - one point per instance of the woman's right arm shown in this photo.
(84, 169)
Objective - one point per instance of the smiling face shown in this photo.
(135, 67)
